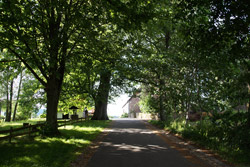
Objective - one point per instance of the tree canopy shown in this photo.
(187, 55)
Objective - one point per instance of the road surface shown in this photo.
(131, 143)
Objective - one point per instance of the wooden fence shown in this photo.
(29, 129)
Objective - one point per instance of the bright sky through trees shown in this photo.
(115, 108)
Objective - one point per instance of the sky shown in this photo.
(115, 108)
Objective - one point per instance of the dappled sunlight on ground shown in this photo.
(135, 148)
(131, 143)
(50, 151)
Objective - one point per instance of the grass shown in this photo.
(200, 136)
(17, 124)
(51, 151)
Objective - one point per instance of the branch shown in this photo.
(30, 51)
(6, 61)
(29, 67)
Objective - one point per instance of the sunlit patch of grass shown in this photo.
(51, 151)
(17, 124)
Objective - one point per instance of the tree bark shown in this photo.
(11, 97)
(248, 118)
(7, 103)
(101, 100)
(53, 90)
(18, 94)
(162, 114)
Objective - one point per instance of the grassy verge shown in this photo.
(17, 124)
(51, 152)
(207, 136)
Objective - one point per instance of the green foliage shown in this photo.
(159, 44)
(226, 134)
(160, 124)
(212, 78)
(147, 103)
(31, 98)
(51, 151)
(124, 115)
(43, 115)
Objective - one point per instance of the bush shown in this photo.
(21, 117)
(124, 115)
(2, 117)
(160, 124)
(226, 133)
(43, 116)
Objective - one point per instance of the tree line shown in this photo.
(188, 55)
(196, 62)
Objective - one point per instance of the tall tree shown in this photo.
(18, 95)
(43, 35)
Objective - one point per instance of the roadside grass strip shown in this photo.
(56, 151)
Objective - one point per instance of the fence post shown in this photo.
(11, 129)
(64, 123)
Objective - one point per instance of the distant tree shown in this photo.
(11, 68)
(18, 94)
(32, 97)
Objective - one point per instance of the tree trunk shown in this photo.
(53, 90)
(7, 102)
(18, 94)
(101, 100)
(162, 114)
(248, 118)
(11, 97)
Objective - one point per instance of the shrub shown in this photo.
(124, 115)
(43, 116)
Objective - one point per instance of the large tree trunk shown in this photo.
(53, 90)
(101, 100)
(17, 98)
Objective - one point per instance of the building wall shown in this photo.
(125, 108)
(134, 105)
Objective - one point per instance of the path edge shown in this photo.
(87, 153)
(211, 157)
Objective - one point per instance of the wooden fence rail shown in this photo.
(32, 129)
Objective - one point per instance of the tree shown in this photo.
(226, 32)
(44, 35)
(10, 70)
(32, 97)
(18, 95)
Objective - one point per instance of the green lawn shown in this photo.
(53, 151)
(7, 125)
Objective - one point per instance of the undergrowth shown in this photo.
(228, 138)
